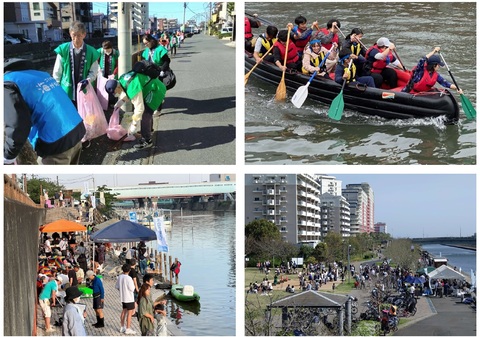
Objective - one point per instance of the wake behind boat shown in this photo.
(386, 103)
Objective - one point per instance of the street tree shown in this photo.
(36, 186)
(261, 229)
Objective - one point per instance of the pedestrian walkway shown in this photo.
(112, 311)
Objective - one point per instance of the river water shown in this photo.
(282, 134)
(457, 257)
(204, 243)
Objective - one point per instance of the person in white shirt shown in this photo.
(126, 287)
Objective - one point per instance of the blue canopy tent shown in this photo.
(123, 231)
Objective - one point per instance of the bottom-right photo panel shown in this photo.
(360, 254)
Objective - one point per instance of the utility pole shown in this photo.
(184, 23)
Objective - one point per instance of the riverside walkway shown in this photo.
(112, 311)
(197, 122)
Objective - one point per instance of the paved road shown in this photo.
(452, 319)
(197, 123)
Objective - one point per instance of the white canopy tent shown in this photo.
(446, 273)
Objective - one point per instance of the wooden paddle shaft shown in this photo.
(256, 64)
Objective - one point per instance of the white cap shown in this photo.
(383, 41)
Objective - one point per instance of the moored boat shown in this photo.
(184, 293)
(386, 103)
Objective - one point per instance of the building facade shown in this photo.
(361, 200)
(380, 227)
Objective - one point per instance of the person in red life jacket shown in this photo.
(343, 73)
(352, 42)
(425, 74)
(313, 56)
(280, 48)
(301, 33)
(328, 37)
(379, 56)
(249, 24)
(263, 44)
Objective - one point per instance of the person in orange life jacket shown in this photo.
(425, 74)
(352, 42)
(378, 57)
(313, 56)
(342, 72)
(328, 36)
(264, 43)
(249, 24)
(280, 48)
(302, 34)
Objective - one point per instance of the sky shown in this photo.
(170, 10)
(78, 180)
(422, 205)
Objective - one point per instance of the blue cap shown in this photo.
(110, 86)
(435, 59)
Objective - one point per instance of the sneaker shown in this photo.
(123, 329)
(130, 332)
(50, 330)
(143, 144)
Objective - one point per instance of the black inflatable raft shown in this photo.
(386, 103)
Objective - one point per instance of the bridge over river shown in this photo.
(468, 242)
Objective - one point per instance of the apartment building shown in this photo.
(335, 214)
(140, 21)
(361, 200)
(290, 201)
(380, 227)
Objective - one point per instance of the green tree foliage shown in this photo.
(305, 251)
(110, 198)
(335, 247)
(320, 252)
(35, 187)
(400, 252)
(262, 229)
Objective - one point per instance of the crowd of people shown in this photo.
(321, 50)
(66, 269)
(43, 108)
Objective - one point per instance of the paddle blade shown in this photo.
(468, 108)
(300, 96)
(336, 109)
(281, 93)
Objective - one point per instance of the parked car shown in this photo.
(7, 39)
(21, 37)
(226, 30)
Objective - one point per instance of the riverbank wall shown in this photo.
(22, 218)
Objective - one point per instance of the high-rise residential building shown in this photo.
(305, 208)
(293, 203)
(140, 22)
(361, 200)
(335, 214)
(380, 227)
(329, 184)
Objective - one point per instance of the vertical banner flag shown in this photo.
(161, 235)
(93, 201)
(132, 216)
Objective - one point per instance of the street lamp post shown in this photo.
(349, 269)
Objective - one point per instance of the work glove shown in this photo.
(10, 161)
(133, 128)
(84, 84)
(162, 74)
(119, 104)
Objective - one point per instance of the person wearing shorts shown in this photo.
(49, 292)
(126, 287)
(98, 298)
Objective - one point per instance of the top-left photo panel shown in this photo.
(119, 83)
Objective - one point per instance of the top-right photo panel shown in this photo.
(360, 83)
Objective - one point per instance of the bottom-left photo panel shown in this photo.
(119, 254)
